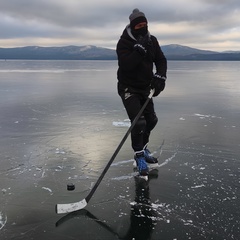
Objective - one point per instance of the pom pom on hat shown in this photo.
(136, 17)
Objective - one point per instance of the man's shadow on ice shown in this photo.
(142, 217)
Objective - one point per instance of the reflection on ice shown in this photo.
(3, 220)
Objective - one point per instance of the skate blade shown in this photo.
(143, 177)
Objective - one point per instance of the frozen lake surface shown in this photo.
(61, 121)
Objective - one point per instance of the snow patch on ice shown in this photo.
(58, 151)
(168, 160)
(122, 162)
(126, 177)
(202, 116)
(122, 178)
(198, 186)
(48, 189)
(124, 123)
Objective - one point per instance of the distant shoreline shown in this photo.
(172, 52)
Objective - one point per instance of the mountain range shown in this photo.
(172, 52)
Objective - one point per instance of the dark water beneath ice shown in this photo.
(61, 121)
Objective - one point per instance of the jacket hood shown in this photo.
(128, 29)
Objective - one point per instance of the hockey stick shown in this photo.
(71, 207)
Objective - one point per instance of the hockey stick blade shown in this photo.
(71, 207)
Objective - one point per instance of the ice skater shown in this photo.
(139, 54)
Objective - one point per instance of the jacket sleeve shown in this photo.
(128, 58)
(160, 60)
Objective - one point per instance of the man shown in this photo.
(138, 53)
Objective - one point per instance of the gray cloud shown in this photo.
(199, 23)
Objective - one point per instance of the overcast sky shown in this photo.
(203, 24)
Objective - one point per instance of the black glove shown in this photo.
(140, 49)
(158, 83)
(141, 44)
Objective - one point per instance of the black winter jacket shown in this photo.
(136, 71)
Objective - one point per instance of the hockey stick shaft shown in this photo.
(119, 146)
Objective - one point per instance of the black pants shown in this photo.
(133, 102)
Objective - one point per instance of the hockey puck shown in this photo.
(70, 187)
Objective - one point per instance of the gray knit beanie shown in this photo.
(136, 17)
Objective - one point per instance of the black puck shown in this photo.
(70, 187)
